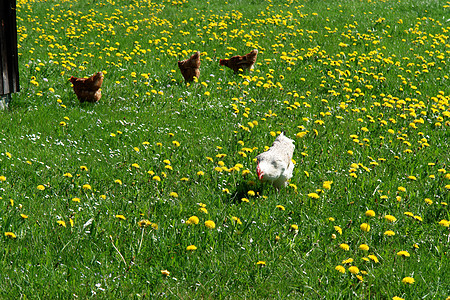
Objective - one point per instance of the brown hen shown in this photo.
(190, 67)
(239, 62)
(88, 89)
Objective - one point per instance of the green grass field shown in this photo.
(102, 200)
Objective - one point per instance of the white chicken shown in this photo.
(275, 165)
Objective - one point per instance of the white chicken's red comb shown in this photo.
(259, 172)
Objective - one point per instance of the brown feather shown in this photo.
(88, 89)
(190, 67)
(238, 62)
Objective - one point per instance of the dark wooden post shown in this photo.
(9, 62)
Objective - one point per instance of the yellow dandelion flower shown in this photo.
(200, 173)
(261, 263)
(10, 235)
(8, 154)
(237, 220)
(403, 253)
(280, 207)
(389, 233)
(2, 178)
(344, 246)
(76, 199)
(210, 224)
(340, 268)
(135, 165)
(193, 220)
(365, 227)
(41, 187)
(156, 178)
(87, 187)
(301, 134)
(313, 195)
(176, 144)
(191, 248)
(338, 229)
(83, 168)
(165, 272)
(251, 193)
(24, 216)
(363, 247)
(327, 185)
(401, 189)
(412, 177)
(136, 149)
(121, 217)
(173, 194)
(118, 181)
(390, 218)
(347, 261)
(444, 223)
(294, 227)
(61, 223)
(68, 175)
(397, 298)
(245, 200)
(354, 270)
(373, 257)
(408, 280)
(144, 223)
(203, 210)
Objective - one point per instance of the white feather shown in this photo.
(275, 165)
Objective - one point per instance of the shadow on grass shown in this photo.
(245, 190)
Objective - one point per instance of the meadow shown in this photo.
(152, 191)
